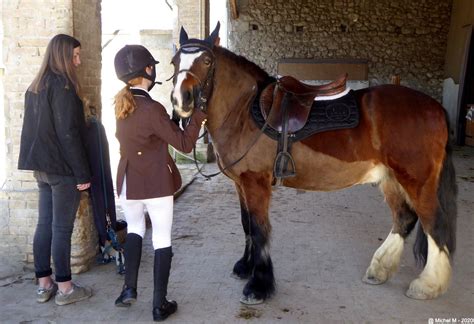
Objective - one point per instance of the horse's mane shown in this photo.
(261, 76)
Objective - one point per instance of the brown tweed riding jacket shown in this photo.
(144, 158)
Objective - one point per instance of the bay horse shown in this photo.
(401, 143)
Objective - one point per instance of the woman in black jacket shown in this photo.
(52, 145)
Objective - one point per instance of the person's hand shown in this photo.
(83, 186)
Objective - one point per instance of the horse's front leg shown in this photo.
(256, 194)
(243, 268)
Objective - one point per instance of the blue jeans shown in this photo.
(58, 203)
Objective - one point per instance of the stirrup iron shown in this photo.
(284, 166)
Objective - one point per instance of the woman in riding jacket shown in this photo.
(147, 175)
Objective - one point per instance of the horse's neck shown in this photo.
(228, 108)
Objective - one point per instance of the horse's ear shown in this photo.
(214, 37)
(183, 36)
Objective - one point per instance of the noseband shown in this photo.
(205, 88)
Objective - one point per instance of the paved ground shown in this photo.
(321, 246)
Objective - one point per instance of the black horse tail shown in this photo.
(444, 230)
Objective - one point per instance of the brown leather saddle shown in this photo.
(285, 106)
(292, 97)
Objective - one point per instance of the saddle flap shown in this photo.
(274, 101)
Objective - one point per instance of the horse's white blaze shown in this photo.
(435, 277)
(386, 259)
(186, 61)
(374, 175)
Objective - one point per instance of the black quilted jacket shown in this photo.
(52, 138)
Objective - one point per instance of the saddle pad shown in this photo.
(325, 115)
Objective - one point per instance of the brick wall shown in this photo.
(87, 28)
(28, 27)
(191, 16)
(407, 38)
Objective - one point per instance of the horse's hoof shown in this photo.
(251, 300)
(420, 290)
(416, 295)
(371, 280)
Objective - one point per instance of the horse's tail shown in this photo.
(444, 229)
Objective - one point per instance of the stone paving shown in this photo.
(322, 244)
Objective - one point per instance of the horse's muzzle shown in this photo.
(186, 108)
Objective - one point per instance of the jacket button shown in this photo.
(139, 153)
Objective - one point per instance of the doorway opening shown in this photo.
(466, 93)
(149, 23)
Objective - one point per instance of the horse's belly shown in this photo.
(320, 172)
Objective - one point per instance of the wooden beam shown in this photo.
(233, 9)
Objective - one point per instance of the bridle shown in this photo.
(205, 93)
(205, 87)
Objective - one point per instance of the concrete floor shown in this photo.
(322, 244)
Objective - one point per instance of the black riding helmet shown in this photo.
(130, 62)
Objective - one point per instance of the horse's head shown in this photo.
(194, 65)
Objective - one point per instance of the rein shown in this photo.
(209, 176)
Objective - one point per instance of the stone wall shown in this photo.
(27, 27)
(406, 38)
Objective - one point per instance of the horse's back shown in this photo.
(400, 129)
(392, 118)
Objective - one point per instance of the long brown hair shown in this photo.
(59, 60)
(124, 103)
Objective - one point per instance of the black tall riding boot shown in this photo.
(133, 256)
(162, 308)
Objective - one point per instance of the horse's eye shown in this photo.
(207, 61)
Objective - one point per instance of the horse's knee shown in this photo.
(435, 278)
(385, 261)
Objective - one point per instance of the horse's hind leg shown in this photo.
(244, 266)
(436, 239)
(256, 191)
(386, 259)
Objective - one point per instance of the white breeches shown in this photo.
(161, 216)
